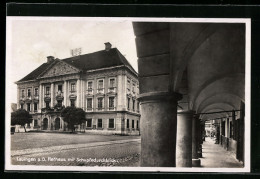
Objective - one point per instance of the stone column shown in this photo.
(43, 96)
(158, 126)
(199, 139)
(227, 128)
(220, 132)
(195, 131)
(78, 94)
(40, 97)
(83, 94)
(52, 95)
(184, 139)
(65, 94)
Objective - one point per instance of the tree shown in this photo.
(73, 116)
(21, 117)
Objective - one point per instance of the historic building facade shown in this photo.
(102, 83)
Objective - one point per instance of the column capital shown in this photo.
(159, 96)
(185, 112)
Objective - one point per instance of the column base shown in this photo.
(195, 162)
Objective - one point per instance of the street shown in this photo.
(74, 149)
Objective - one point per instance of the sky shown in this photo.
(30, 40)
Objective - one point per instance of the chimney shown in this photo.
(108, 46)
(50, 59)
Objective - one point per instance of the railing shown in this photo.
(90, 91)
(100, 90)
(54, 109)
(111, 108)
(47, 95)
(89, 109)
(36, 97)
(100, 109)
(22, 98)
(59, 94)
(44, 110)
(112, 89)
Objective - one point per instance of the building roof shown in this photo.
(35, 73)
(91, 61)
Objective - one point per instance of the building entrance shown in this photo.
(57, 124)
(45, 124)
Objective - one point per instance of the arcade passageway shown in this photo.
(215, 156)
(189, 74)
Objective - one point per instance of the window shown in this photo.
(128, 84)
(60, 88)
(28, 107)
(133, 123)
(29, 93)
(127, 123)
(22, 94)
(47, 104)
(138, 106)
(72, 103)
(112, 83)
(99, 123)
(36, 92)
(47, 90)
(133, 88)
(89, 103)
(137, 124)
(59, 104)
(100, 103)
(35, 122)
(100, 84)
(35, 106)
(21, 106)
(89, 122)
(90, 85)
(133, 105)
(111, 102)
(111, 123)
(128, 103)
(73, 87)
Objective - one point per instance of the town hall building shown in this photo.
(102, 83)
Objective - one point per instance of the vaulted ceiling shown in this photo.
(203, 61)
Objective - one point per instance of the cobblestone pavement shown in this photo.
(106, 153)
(29, 140)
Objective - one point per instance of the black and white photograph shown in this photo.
(128, 94)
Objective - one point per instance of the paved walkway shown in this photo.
(215, 156)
